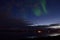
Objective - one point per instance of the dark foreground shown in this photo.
(22, 34)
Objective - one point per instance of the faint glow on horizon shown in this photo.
(38, 24)
(48, 22)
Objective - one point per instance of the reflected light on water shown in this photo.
(54, 34)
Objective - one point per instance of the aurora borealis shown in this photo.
(30, 14)
(44, 5)
(35, 11)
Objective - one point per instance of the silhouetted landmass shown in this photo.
(54, 24)
(10, 23)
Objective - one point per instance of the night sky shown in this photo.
(23, 9)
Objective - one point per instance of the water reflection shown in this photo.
(55, 34)
(32, 37)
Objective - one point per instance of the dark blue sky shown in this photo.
(24, 10)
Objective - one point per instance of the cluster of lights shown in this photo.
(39, 31)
